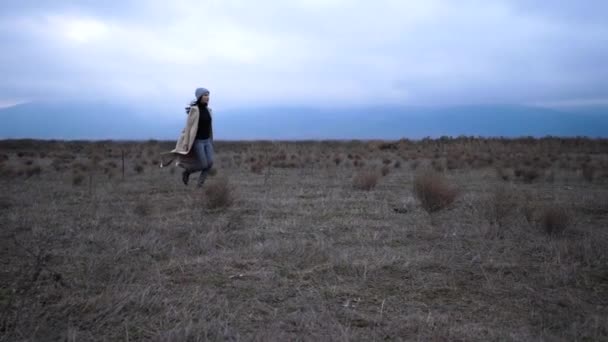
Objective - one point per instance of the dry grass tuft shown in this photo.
(527, 174)
(257, 167)
(500, 205)
(365, 180)
(554, 219)
(503, 173)
(433, 191)
(219, 194)
(142, 208)
(414, 164)
(33, 171)
(5, 203)
(588, 172)
(77, 179)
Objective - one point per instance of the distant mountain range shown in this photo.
(104, 121)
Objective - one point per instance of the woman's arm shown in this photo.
(188, 128)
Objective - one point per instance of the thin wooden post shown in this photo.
(123, 164)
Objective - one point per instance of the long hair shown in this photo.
(192, 103)
(196, 102)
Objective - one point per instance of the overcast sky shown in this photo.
(305, 52)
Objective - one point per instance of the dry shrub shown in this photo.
(111, 164)
(365, 180)
(285, 165)
(550, 176)
(33, 171)
(503, 173)
(77, 179)
(397, 164)
(80, 167)
(529, 208)
(453, 163)
(142, 208)
(138, 168)
(554, 219)
(437, 165)
(588, 172)
(5, 203)
(7, 172)
(219, 194)
(414, 164)
(433, 191)
(500, 205)
(358, 163)
(385, 170)
(527, 174)
(257, 167)
(337, 160)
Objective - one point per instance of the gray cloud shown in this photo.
(328, 52)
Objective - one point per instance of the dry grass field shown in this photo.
(432, 240)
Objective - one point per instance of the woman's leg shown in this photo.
(207, 148)
(199, 151)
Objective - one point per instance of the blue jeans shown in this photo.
(203, 148)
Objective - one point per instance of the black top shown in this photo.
(204, 123)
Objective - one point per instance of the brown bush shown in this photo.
(554, 219)
(365, 180)
(433, 191)
(219, 194)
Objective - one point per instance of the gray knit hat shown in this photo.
(200, 92)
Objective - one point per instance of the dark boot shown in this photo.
(185, 177)
(202, 178)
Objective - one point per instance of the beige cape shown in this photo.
(183, 153)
